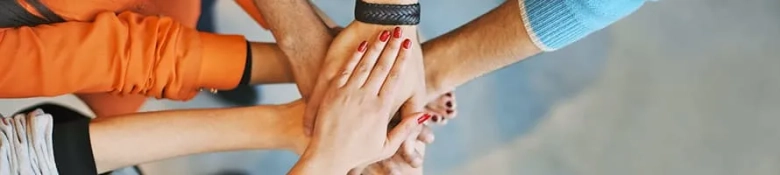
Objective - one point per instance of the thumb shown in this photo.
(310, 114)
(413, 105)
(408, 126)
(313, 106)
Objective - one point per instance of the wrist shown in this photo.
(435, 71)
(290, 131)
(266, 130)
(312, 162)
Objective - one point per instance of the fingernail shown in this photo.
(397, 32)
(435, 118)
(423, 118)
(448, 94)
(449, 104)
(384, 36)
(407, 44)
(363, 46)
(449, 111)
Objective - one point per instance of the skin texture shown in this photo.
(301, 35)
(303, 40)
(412, 93)
(170, 134)
(488, 43)
(352, 124)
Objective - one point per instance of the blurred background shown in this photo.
(680, 87)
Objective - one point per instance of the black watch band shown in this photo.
(387, 14)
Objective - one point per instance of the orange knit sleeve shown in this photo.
(123, 54)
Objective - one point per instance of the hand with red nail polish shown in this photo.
(351, 128)
(410, 98)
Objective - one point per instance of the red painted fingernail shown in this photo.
(449, 104)
(423, 118)
(435, 118)
(384, 36)
(362, 47)
(397, 32)
(449, 111)
(407, 44)
(448, 94)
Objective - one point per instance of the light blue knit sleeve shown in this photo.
(553, 24)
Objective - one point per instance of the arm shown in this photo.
(269, 64)
(492, 41)
(125, 54)
(301, 35)
(512, 32)
(500, 38)
(144, 137)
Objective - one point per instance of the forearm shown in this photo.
(301, 35)
(269, 64)
(138, 138)
(488, 43)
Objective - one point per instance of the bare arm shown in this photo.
(488, 43)
(301, 35)
(269, 64)
(144, 137)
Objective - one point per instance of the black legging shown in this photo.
(70, 138)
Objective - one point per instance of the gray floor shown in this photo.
(681, 87)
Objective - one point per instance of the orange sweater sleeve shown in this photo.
(123, 54)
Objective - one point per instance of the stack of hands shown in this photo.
(351, 125)
(369, 74)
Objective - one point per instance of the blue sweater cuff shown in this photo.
(554, 24)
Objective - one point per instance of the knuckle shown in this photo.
(378, 47)
(344, 72)
(363, 69)
(394, 74)
(382, 68)
(394, 47)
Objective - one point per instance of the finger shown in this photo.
(385, 62)
(349, 67)
(369, 59)
(313, 105)
(390, 84)
(426, 135)
(407, 127)
(410, 154)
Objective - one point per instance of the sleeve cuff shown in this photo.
(224, 60)
(247, 66)
(554, 24)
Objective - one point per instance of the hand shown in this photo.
(334, 31)
(397, 164)
(413, 79)
(352, 122)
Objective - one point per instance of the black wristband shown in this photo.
(247, 75)
(387, 14)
